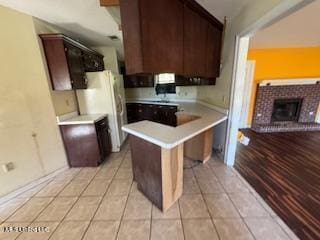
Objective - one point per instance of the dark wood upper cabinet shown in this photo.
(136, 81)
(68, 60)
(93, 62)
(195, 34)
(76, 67)
(213, 51)
(153, 36)
(170, 36)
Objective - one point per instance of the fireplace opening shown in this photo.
(286, 110)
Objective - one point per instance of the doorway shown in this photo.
(282, 167)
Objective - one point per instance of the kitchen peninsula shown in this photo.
(158, 150)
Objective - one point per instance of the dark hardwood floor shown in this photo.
(284, 168)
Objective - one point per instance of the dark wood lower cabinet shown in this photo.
(87, 145)
(164, 114)
(157, 171)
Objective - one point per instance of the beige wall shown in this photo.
(63, 101)
(110, 58)
(220, 94)
(183, 93)
(26, 108)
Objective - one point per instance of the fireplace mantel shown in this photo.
(290, 81)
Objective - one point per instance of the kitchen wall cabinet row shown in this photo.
(170, 36)
(90, 146)
(164, 114)
(135, 81)
(68, 60)
(194, 81)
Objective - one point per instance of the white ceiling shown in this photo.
(300, 29)
(222, 8)
(83, 20)
(86, 21)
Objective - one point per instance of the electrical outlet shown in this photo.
(8, 167)
(223, 98)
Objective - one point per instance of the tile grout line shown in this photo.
(55, 197)
(150, 231)
(124, 209)
(29, 198)
(113, 178)
(211, 219)
(244, 181)
(78, 197)
(184, 235)
(34, 196)
(233, 204)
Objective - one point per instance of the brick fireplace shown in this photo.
(286, 108)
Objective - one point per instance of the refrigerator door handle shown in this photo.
(121, 104)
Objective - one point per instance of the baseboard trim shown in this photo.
(15, 193)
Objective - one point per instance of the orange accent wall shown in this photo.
(282, 63)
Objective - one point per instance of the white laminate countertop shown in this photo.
(82, 119)
(169, 137)
(155, 102)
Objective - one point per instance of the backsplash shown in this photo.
(187, 93)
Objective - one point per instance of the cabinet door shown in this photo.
(182, 81)
(93, 62)
(149, 112)
(131, 112)
(141, 112)
(104, 139)
(76, 69)
(195, 38)
(171, 116)
(55, 52)
(162, 36)
(145, 81)
(161, 114)
(214, 41)
(134, 81)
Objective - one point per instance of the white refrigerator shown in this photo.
(105, 94)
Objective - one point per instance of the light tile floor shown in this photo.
(104, 203)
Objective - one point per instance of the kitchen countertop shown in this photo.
(169, 137)
(155, 102)
(82, 119)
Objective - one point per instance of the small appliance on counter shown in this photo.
(105, 95)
